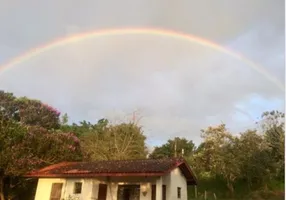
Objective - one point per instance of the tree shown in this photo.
(29, 112)
(220, 148)
(249, 145)
(8, 107)
(35, 113)
(29, 139)
(273, 124)
(11, 134)
(123, 141)
(252, 159)
(85, 127)
(64, 119)
(25, 148)
(174, 148)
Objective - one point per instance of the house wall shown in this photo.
(144, 182)
(44, 188)
(87, 189)
(178, 180)
(172, 180)
(167, 180)
(90, 187)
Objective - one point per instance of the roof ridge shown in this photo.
(130, 167)
(143, 159)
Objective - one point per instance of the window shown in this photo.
(179, 192)
(77, 187)
(56, 191)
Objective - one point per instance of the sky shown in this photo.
(175, 87)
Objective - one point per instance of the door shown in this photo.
(102, 191)
(153, 196)
(56, 191)
(164, 191)
(128, 192)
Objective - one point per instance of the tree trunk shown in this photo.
(2, 188)
(196, 192)
(265, 187)
(249, 183)
(231, 189)
(205, 195)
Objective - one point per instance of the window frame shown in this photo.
(57, 188)
(77, 190)
(179, 192)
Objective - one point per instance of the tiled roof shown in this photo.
(145, 167)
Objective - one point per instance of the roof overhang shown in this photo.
(92, 175)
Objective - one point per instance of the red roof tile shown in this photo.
(146, 167)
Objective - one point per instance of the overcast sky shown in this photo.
(177, 88)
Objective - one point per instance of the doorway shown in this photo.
(56, 191)
(128, 192)
(102, 192)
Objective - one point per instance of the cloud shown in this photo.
(177, 87)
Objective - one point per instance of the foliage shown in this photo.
(108, 142)
(28, 140)
(35, 113)
(265, 195)
(84, 127)
(174, 148)
(29, 112)
(255, 158)
(273, 124)
(219, 155)
(11, 135)
(235, 166)
(25, 148)
(8, 107)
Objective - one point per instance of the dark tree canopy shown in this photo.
(29, 112)
(28, 139)
(173, 148)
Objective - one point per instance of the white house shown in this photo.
(163, 179)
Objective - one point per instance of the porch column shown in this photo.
(159, 188)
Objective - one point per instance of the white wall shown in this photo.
(178, 180)
(86, 192)
(44, 187)
(90, 186)
(142, 181)
(172, 181)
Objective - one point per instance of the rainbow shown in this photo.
(139, 31)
